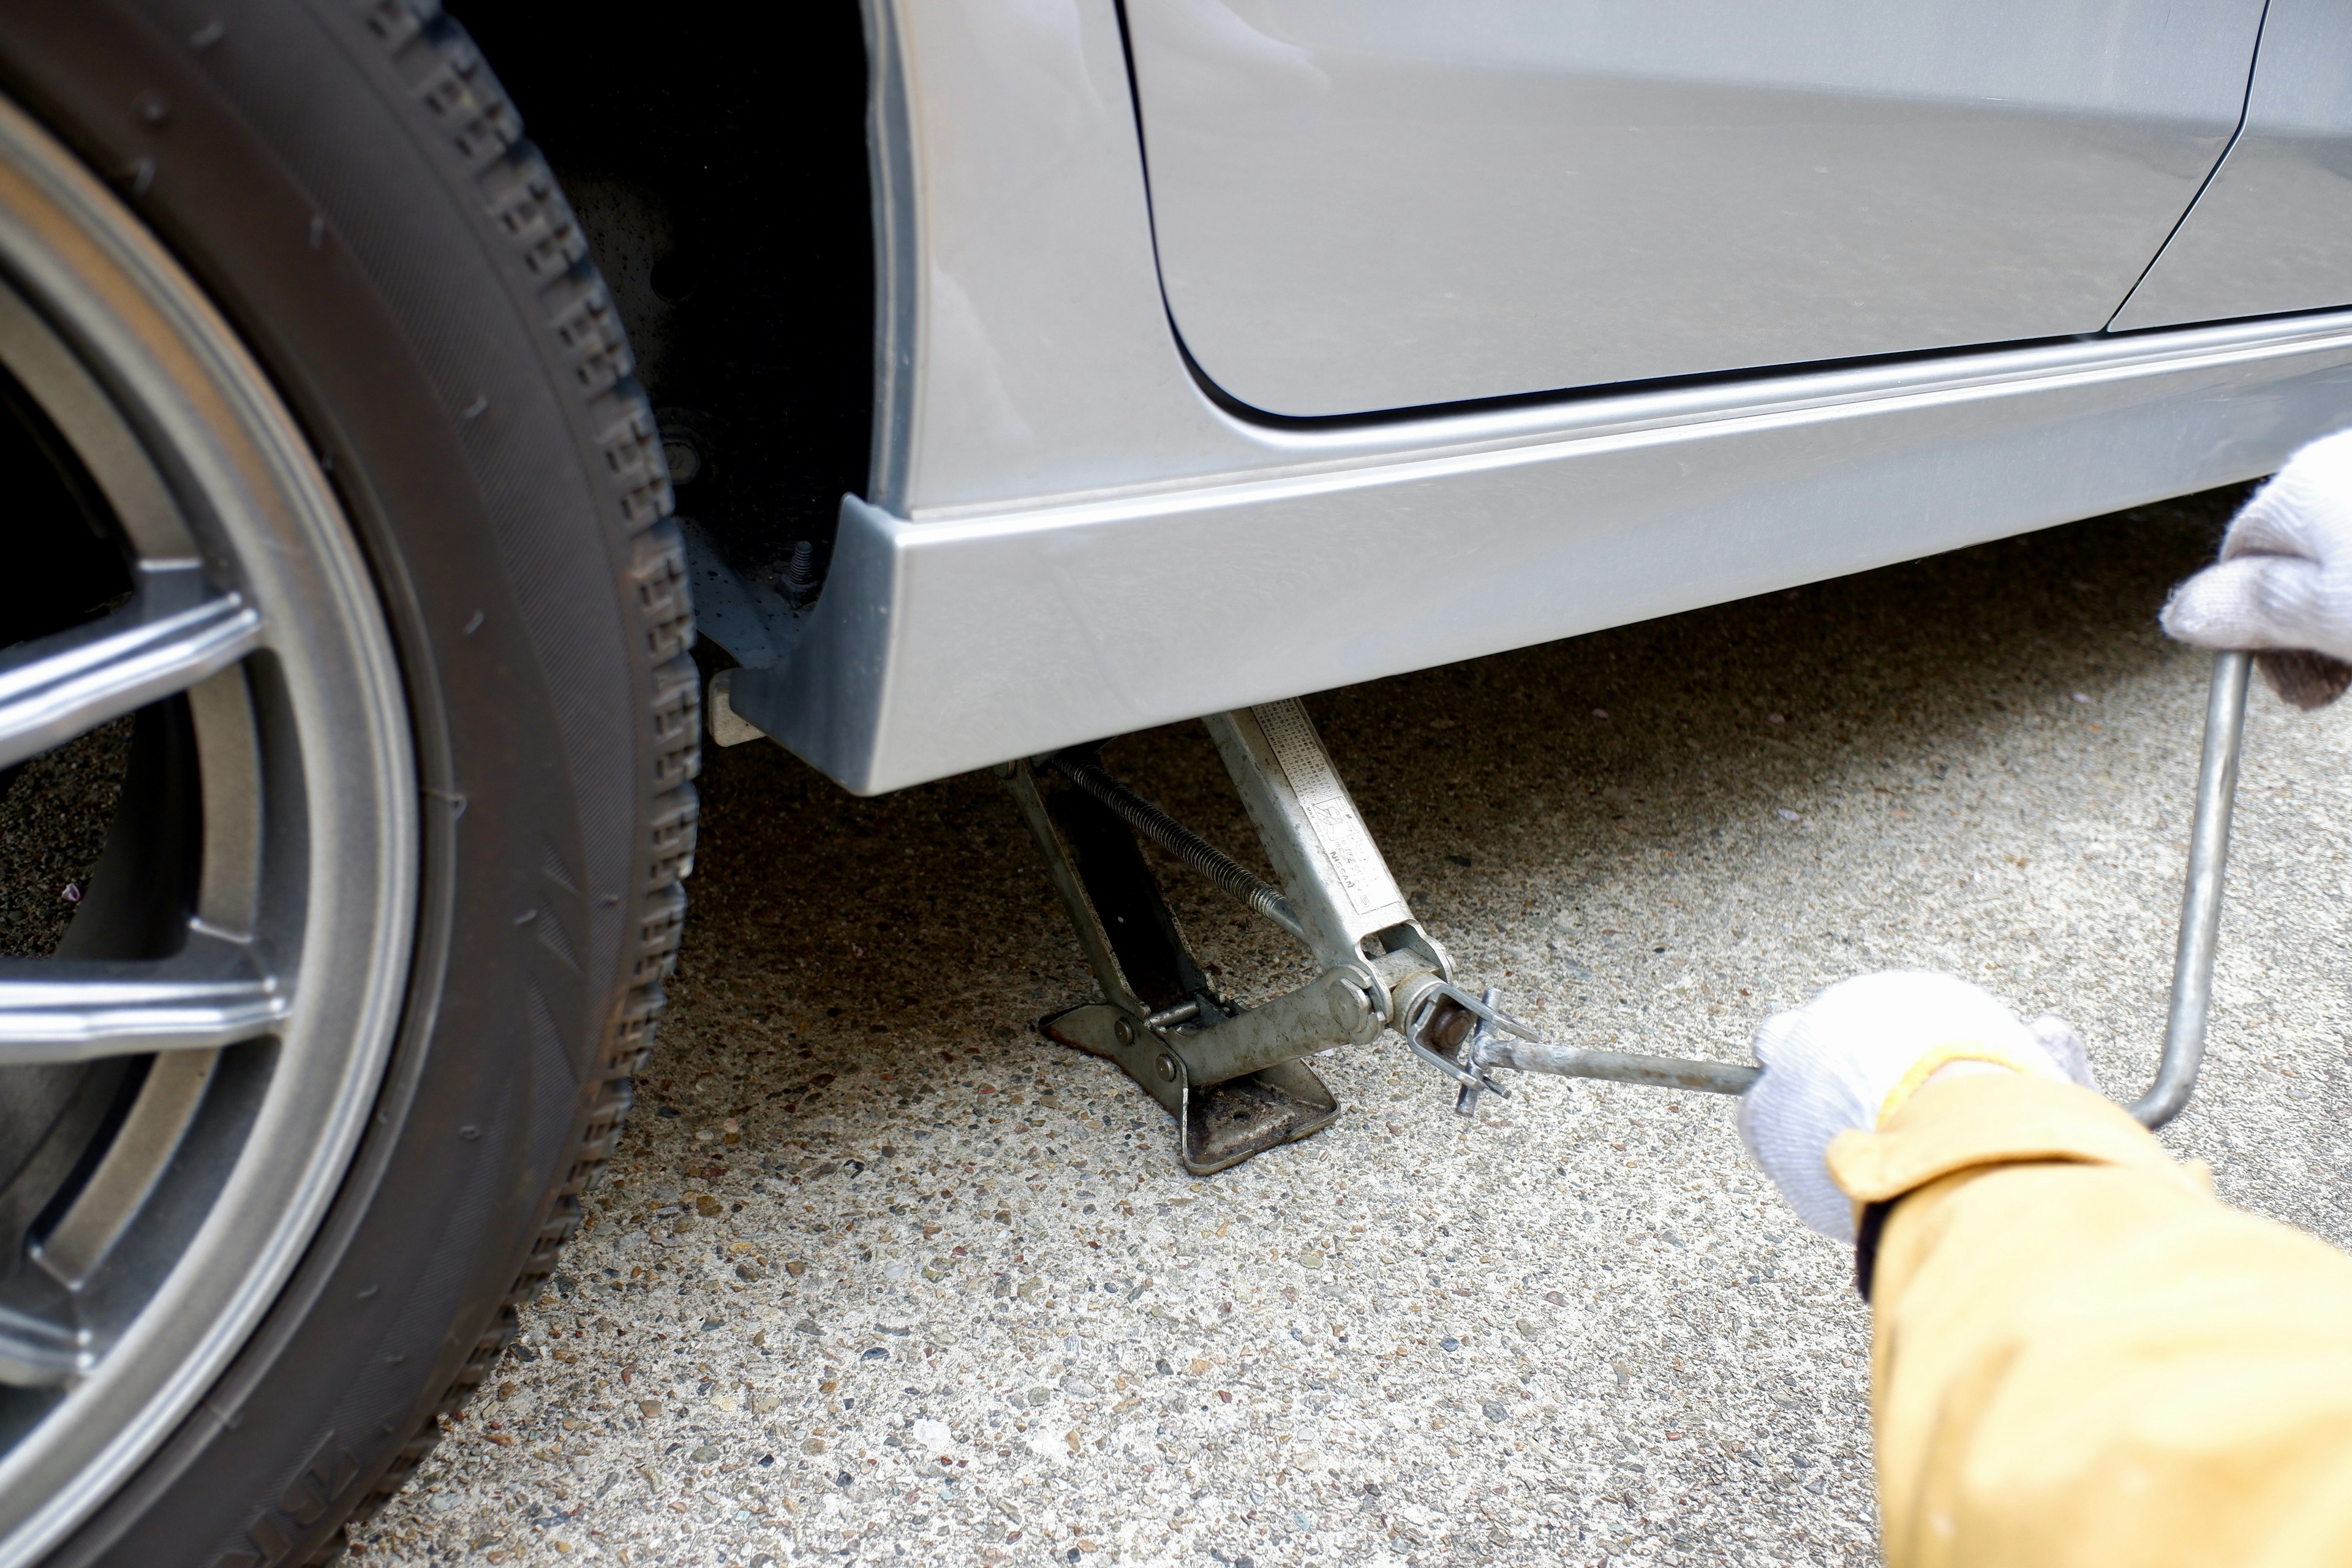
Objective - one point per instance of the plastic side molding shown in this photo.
(941, 646)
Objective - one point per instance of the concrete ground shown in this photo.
(882, 1277)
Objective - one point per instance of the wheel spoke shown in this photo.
(68, 1010)
(36, 1353)
(172, 634)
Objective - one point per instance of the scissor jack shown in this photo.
(1234, 1078)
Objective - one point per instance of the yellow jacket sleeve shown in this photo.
(2080, 1357)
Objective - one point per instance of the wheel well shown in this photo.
(721, 175)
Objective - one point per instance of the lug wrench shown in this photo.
(1502, 1041)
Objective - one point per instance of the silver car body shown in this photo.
(1524, 371)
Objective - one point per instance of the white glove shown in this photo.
(1856, 1051)
(2283, 584)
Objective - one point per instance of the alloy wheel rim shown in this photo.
(227, 994)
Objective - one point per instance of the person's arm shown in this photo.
(2079, 1356)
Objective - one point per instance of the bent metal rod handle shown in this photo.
(2200, 904)
(1622, 1066)
(1501, 1041)
(2192, 962)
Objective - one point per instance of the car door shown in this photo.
(1367, 204)
(2273, 231)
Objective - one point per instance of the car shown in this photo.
(990, 380)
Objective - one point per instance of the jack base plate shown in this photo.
(1222, 1124)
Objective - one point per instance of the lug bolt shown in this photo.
(1125, 1031)
(1167, 1067)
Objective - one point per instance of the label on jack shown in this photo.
(1331, 815)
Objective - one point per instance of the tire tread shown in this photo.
(526, 206)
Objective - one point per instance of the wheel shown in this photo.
(341, 562)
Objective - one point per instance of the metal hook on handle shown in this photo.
(1503, 1041)
(2201, 903)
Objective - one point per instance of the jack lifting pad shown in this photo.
(1223, 1123)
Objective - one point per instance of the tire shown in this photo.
(344, 183)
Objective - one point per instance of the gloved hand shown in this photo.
(1851, 1055)
(2283, 584)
